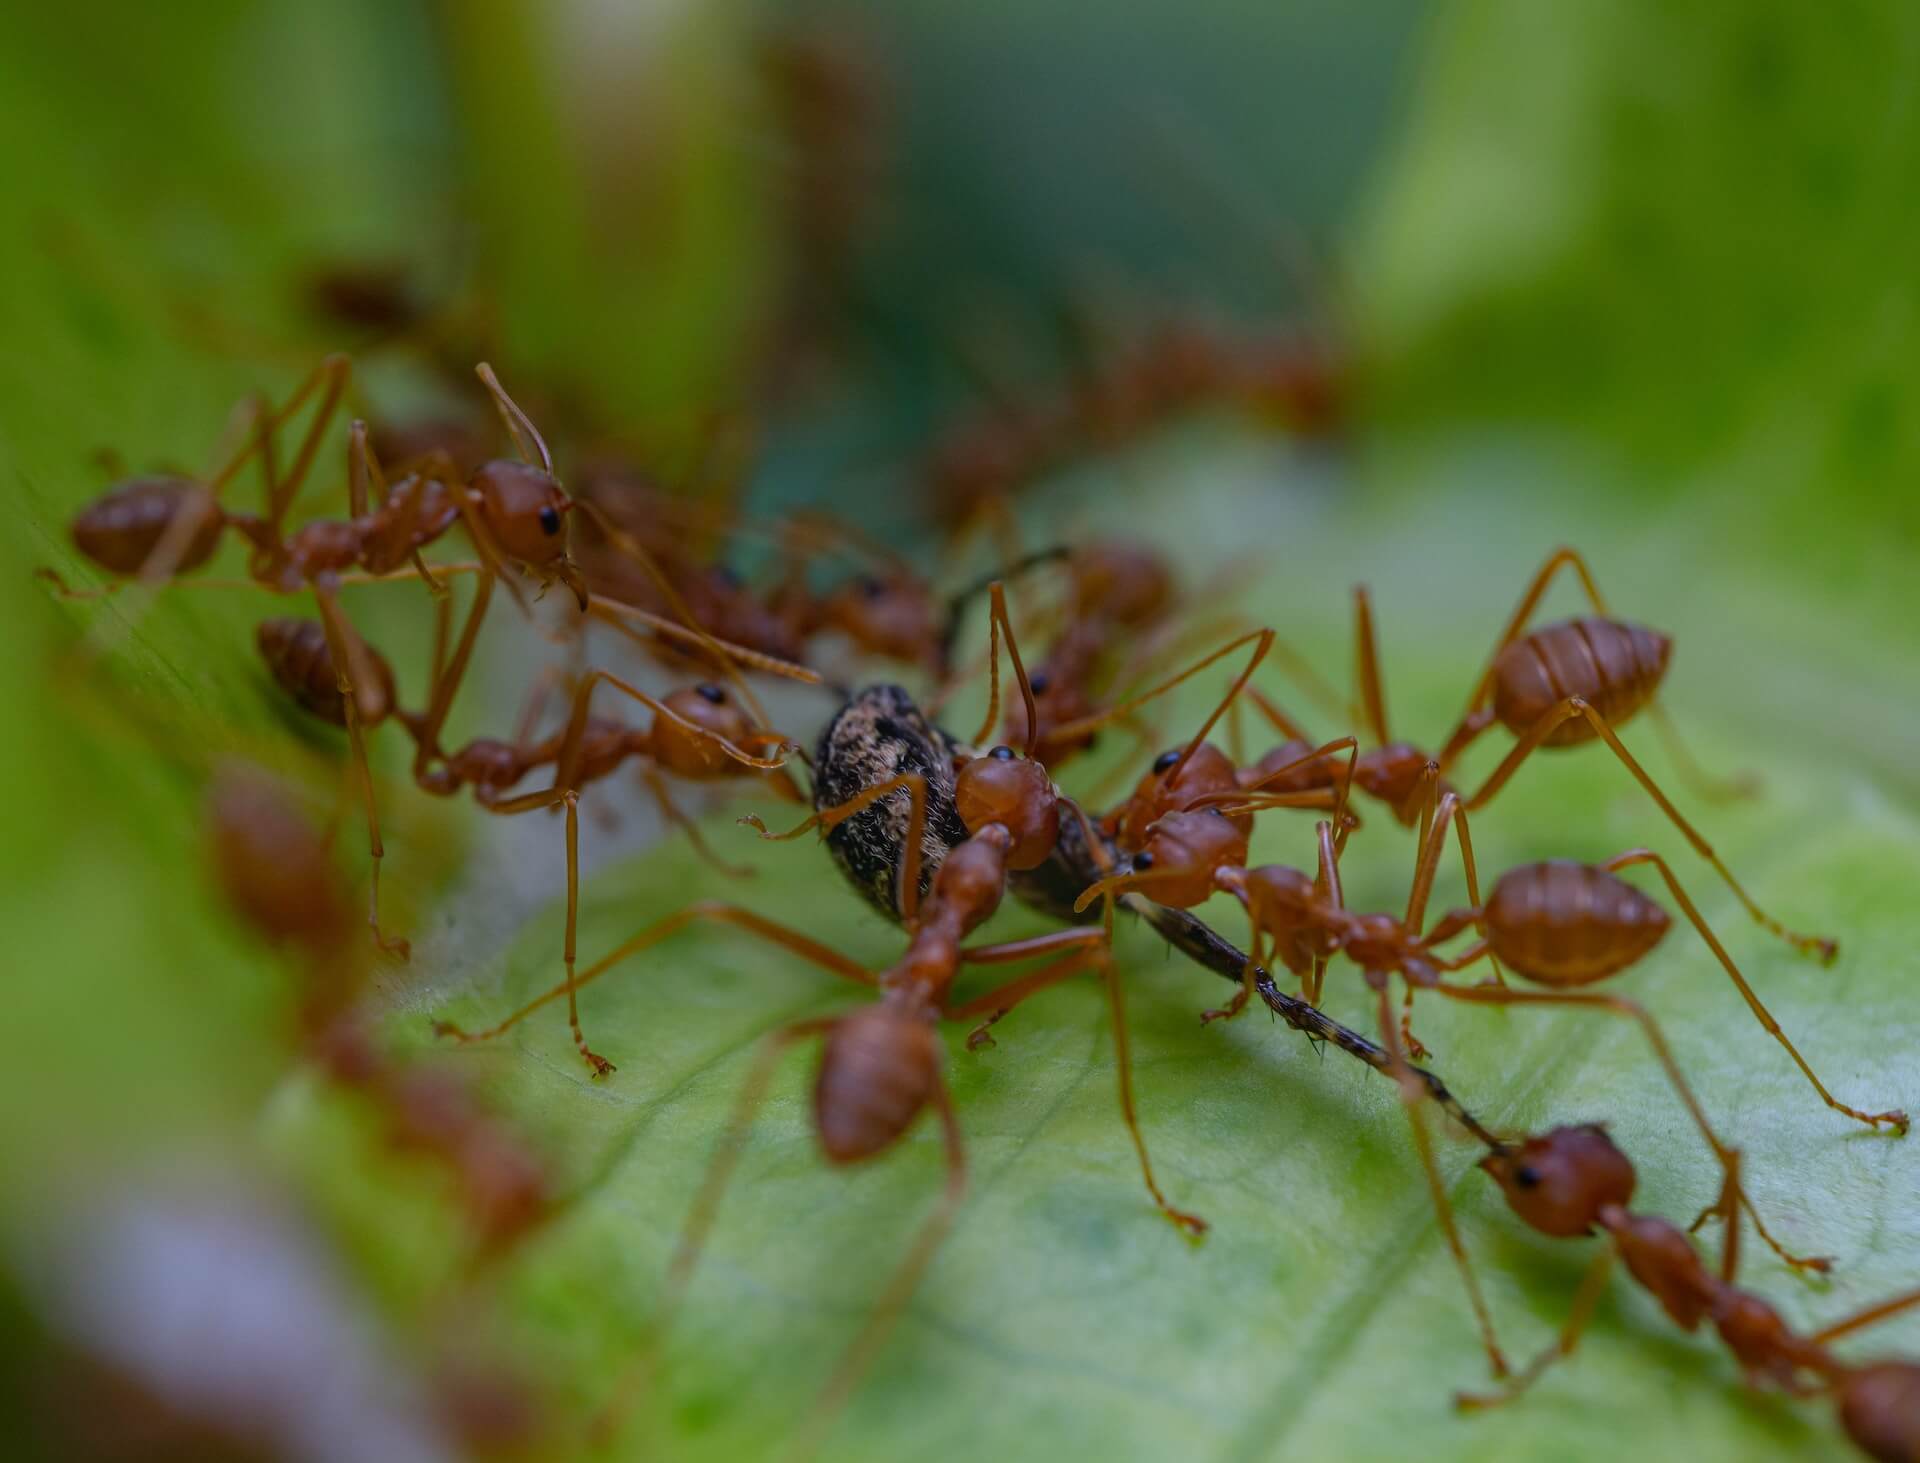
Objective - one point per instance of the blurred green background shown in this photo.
(1639, 277)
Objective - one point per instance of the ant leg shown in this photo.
(637, 1384)
(447, 683)
(365, 481)
(570, 799)
(334, 372)
(1705, 785)
(1632, 1011)
(1592, 1286)
(999, 1001)
(1872, 1315)
(717, 651)
(339, 640)
(900, 1287)
(1411, 1095)
(1373, 699)
(1560, 558)
(907, 892)
(1818, 946)
(676, 818)
(1191, 1225)
(1073, 730)
(792, 941)
(1896, 1120)
(999, 624)
(615, 613)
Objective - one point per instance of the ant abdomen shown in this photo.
(121, 530)
(1616, 667)
(1880, 1409)
(1569, 924)
(297, 653)
(877, 1071)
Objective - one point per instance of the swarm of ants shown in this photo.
(935, 829)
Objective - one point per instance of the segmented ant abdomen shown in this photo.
(274, 866)
(1207, 772)
(1663, 1260)
(712, 708)
(297, 653)
(1615, 666)
(1563, 923)
(877, 1070)
(877, 735)
(1017, 794)
(1560, 1182)
(1880, 1409)
(524, 510)
(120, 530)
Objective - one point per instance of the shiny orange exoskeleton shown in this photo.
(1574, 1181)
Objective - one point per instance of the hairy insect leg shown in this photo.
(790, 940)
(1820, 947)
(1894, 1119)
(1593, 1285)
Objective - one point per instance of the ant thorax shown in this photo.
(880, 733)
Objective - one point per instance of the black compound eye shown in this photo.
(1527, 1176)
(711, 692)
(1142, 861)
(1001, 754)
(1164, 762)
(550, 520)
(1038, 683)
(871, 587)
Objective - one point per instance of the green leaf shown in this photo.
(1063, 1317)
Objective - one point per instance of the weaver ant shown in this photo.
(1562, 925)
(1573, 1181)
(1563, 685)
(276, 873)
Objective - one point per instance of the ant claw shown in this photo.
(447, 1028)
(601, 1066)
(1191, 1225)
(980, 1037)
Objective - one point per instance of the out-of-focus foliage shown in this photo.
(1635, 281)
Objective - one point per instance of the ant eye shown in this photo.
(871, 587)
(550, 519)
(713, 693)
(1001, 754)
(1527, 1176)
(1166, 760)
(1142, 861)
(1038, 683)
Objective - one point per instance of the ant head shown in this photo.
(1164, 790)
(888, 1051)
(714, 710)
(892, 616)
(1561, 1181)
(1392, 773)
(525, 511)
(1016, 793)
(1182, 852)
(1880, 1409)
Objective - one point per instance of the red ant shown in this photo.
(1560, 924)
(275, 871)
(1573, 1181)
(1563, 685)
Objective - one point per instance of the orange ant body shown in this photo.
(1563, 685)
(277, 875)
(1573, 1181)
(1561, 925)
